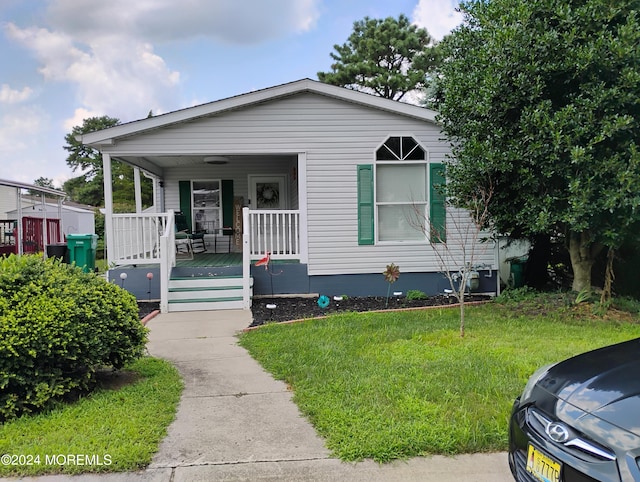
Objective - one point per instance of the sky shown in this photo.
(62, 61)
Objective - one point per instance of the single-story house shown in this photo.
(331, 183)
(28, 225)
(76, 218)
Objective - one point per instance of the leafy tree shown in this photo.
(388, 57)
(88, 188)
(540, 99)
(42, 182)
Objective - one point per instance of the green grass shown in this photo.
(113, 430)
(395, 385)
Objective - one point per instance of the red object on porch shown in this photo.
(264, 261)
(32, 239)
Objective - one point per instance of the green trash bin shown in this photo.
(82, 250)
(517, 271)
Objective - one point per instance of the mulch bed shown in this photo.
(296, 308)
(147, 307)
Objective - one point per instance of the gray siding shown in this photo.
(336, 136)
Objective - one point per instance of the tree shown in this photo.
(539, 99)
(42, 182)
(89, 187)
(461, 245)
(388, 57)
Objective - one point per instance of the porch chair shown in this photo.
(194, 241)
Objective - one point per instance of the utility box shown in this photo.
(58, 250)
(82, 250)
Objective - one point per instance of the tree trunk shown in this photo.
(583, 253)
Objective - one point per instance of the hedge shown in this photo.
(59, 325)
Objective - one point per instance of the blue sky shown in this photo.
(65, 60)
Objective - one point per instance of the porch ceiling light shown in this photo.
(216, 160)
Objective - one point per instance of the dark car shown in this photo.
(579, 420)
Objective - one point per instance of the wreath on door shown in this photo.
(268, 194)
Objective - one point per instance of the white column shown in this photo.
(246, 261)
(60, 226)
(138, 189)
(45, 234)
(20, 232)
(302, 207)
(108, 208)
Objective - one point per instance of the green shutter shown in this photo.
(437, 204)
(185, 201)
(365, 205)
(227, 205)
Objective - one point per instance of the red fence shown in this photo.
(32, 235)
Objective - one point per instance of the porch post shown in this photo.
(137, 189)
(246, 261)
(302, 207)
(108, 208)
(45, 234)
(60, 226)
(20, 231)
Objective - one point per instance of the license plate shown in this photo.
(541, 466)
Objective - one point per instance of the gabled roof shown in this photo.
(107, 136)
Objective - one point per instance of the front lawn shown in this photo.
(114, 429)
(396, 385)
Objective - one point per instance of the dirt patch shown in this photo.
(296, 308)
(115, 379)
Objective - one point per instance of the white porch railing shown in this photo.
(168, 259)
(150, 239)
(276, 232)
(137, 237)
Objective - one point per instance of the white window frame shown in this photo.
(425, 203)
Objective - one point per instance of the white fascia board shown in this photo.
(108, 136)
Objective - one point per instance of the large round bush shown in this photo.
(57, 326)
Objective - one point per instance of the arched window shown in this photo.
(403, 204)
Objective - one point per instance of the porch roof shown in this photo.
(33, 187)
(106, 137)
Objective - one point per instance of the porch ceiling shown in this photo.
(156, 164)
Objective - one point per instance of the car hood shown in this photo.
(604, 383)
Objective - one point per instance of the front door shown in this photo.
(268, 192)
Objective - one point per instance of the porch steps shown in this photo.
(202, 293)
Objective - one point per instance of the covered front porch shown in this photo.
(217, 276)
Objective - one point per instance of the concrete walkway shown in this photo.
(235, 422)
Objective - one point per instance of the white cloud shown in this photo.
(118, 75)
(230, 21)
(106, 49)
(439, 17)
(79, 115)
(19, 129)
(13, 96)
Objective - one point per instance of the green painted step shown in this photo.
(185, 278)
(205, 288)
(207, 300)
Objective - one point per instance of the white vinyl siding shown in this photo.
(336, 136)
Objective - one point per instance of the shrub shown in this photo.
(416, 295)
(57, 326)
